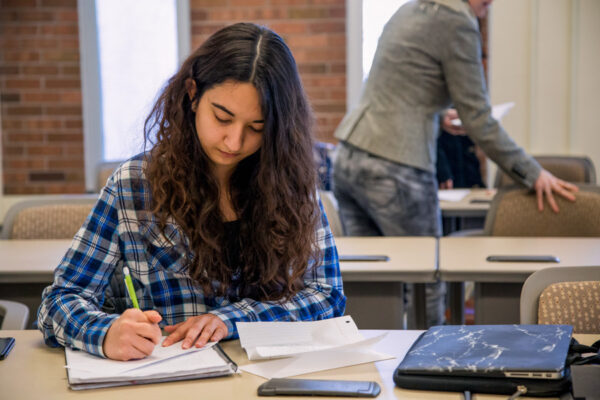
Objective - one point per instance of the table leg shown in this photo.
(456, 300)
(375, 305)
(420, 303)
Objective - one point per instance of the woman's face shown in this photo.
(229, 124)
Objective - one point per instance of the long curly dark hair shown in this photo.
(272, 191)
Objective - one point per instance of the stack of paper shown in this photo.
(303, 347)
(86, 371)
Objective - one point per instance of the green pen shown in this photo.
(130, 289)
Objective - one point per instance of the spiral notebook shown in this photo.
(172, 363)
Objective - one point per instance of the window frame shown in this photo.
(93, 139)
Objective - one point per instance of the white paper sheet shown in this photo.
(498, 112)
(84, 365)
(263, 340)
(453, 195)
(336, 357)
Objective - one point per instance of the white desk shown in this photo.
(371, 286)
(27, 266)
(35, 371)
(498, 284)
(474, 204)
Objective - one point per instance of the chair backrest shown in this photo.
(514, 212)
(331, 210)
(576, 169)
(105, 170)
(563, 295)
(56, 218)
(13, 315)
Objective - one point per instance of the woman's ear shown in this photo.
(190, 87)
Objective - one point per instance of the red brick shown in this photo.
(59, 29)
(26, 16)
(74, 124)
(42, 124)
(330, 26)
(194, 4)
(63, 110)
(25, 110)
(15, 177)
(40, 97)
(308, 13)
(64, 137)
(10, 97)
(27, 163)
(18, 3)
(63, 83)
(21, 56)
(60, 55)
(70, 70)
(45, 150)
(65, 163)
(289, 27)
(9, 70)
(11, 123)
(9, 29)
(12, 150)
(44, 69)
(25, 137)
(70, 96)
(59, 3)
(70, 16)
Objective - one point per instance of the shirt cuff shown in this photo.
(95, 334)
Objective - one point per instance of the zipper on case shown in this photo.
(521, 390)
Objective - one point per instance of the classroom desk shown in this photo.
(35, 371)
(371, 286)
(498, 284)
(475, 204)
(27, 267)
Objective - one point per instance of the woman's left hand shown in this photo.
(197, 331)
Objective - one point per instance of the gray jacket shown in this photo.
(429, 57)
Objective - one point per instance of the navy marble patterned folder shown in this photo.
(519, 351)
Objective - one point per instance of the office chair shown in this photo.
(331, 210)
(56, 218)
(575, 169)
(514, 212)
(105, 170)
(13, 315)
(563, 295)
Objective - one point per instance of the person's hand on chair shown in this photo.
(547, 184)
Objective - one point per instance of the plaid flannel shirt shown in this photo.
(121, 231)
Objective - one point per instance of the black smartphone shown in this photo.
(318, 387)
(363, 257)
(480, 201)
(540, 258)
(6, 345)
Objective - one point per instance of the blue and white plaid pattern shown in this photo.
(121, 231)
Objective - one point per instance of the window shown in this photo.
(124, 66)
(365, 22)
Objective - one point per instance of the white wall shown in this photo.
(545, 56)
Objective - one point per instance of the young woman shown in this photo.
(218, 222)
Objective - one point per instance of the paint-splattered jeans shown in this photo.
(377, 197)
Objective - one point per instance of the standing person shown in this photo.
(458, 164)
(218, 222)
(428, 57)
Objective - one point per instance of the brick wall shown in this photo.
(42, 135)
(314, 30)
(40, 88)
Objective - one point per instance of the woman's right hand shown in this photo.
(133, 335)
